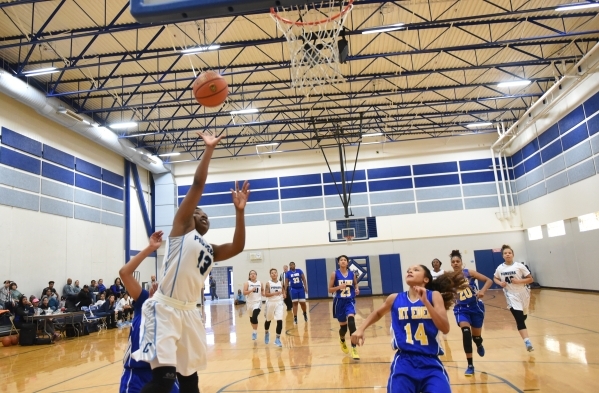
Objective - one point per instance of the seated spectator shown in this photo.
(51, 288)
(23, 310)
(108, 310)
(13, 291)
(84, 298)
(93, 289)
(76, 287)
(68, 290)
(100, 300)
(117, 289)
(31, 299)
(6, 299)
(63, 303)
(53, 302)
(101, 287)
(240, 298)
(45, 306)
(124, 308)
(46, 326)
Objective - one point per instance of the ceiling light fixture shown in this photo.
(136, 135)
(41, 71)
(375, 134)
(385, 29)
(577, 6)
(524, 82)
(244, 111)
(120, 126)
(175, 153)
(268, 144)
(478, 125)
(198, 49)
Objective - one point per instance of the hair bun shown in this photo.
(455, 253)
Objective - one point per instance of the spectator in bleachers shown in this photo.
(124, 308)
(53, 302)
(31, 299)
(93, 289)
(101, 287)
(45, 306)
(14, 292)
(101, 300)
(50, 287)
(68, 290)
(84, 298)
(35, 303)
(6, 299)
(48, 325)
(76, 287)
(117, 289)
(108, 310)
(23, 309)
(62, 302)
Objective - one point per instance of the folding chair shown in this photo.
(100, 318)
(13, 328)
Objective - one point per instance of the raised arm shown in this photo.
(126, 272)
(358, 337)
(183, 221)
(229, 250)
(483, 278)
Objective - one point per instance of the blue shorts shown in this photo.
(297, 294)
(413, 373)
(134, 379)
(343, 307)
(474, 314)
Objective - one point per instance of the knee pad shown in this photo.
(478, 340)
(351, 323)
(342, 330)
(163, 379)
(467, 338)
(189, 384)
(266, 325)
(254, 317)
(279, 327)
(520, 318)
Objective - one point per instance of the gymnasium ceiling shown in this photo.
(429, 80)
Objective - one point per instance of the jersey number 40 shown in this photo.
(204, 262)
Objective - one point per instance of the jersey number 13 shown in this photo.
(204, 262)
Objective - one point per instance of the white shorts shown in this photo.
(274, 310)
(518, 300)
(251, 306)
(172, 337)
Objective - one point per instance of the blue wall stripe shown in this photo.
(397, 171)
(59, 157)
(575, 136)
(21, 142)
(549, 136)
(593, 125)
(88, 168)
(301, 180)
(113, 192)
(224, 186)
(517, 158)
(530, 148)
(19, 160)
(386, 185)
(57, 173)
(359, 175)
(552, 150)
(433, 181)
(87, 183)
(479, 177)
(571, 119)
(439, 167)
(476, 165)
(519, 171)
(257, 184)
(300, 192)
(532, 163)
(331, 189)
(113, 178)
(591, 105)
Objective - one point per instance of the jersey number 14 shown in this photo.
(204, 262)
(419, 336)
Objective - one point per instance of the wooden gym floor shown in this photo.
(564, 328)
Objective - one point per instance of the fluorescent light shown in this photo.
(477, 125)
(577, 6)
(118, 126)
(175, 153)
(136, 135)
(514, 83)
(375, 134)
(86, 122)
(197, 49)
(244, 111)
(41, 71)
(268, 144)
(384, 29)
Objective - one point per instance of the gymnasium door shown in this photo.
(317, 279)
(487, 262)
(361, 268)
(391, 274)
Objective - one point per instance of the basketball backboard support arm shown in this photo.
(344, 194)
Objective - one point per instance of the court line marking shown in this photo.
(78, 376)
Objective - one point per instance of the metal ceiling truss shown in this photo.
(400, 90)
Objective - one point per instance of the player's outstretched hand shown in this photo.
(209, 139)
(421, 291)
(240, 197)
(358, 338)
(156, 240)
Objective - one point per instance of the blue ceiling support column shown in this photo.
(142, 202)
(127, 211)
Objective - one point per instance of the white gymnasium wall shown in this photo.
(418, 238)
(36, 247)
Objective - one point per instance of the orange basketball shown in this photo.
(6, 341)
(14, 340)
(210, 89)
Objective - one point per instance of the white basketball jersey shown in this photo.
(506, 273)
(187, 263)
(255, 296)
(275, 287)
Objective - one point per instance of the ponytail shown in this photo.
(446, 284)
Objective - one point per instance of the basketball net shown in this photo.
(311, 33)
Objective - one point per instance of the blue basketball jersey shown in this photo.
(128, 361)
(295, 278)
(412, 328)
(467, 296)
(349, 292)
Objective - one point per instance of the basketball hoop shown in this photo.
(312, 42)
(349, 240)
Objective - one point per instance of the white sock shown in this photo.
(255, 330)
(527, 340)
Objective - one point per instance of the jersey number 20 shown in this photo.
(419, 336)
(204, 262)
(465, 294)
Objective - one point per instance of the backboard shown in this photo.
(163, 11)
(340, 229)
